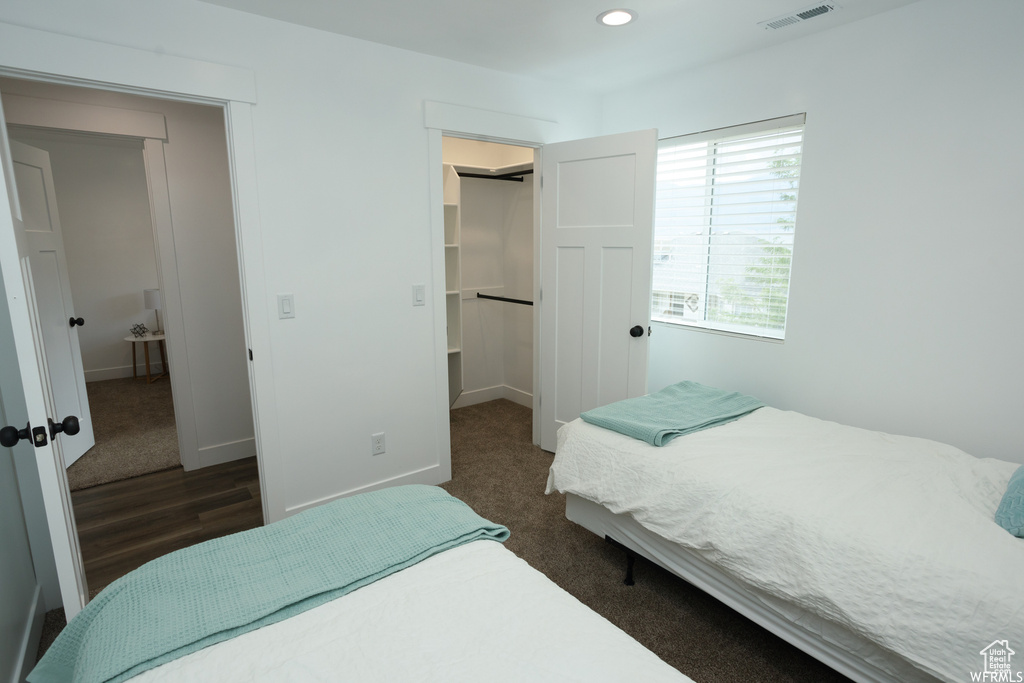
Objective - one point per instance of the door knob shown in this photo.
(69, 425)
(10, 436)
(76, 321)
(636, 331)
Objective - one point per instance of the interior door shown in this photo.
(57, 319)
(28, 355)
(597, 218)
(18, 585)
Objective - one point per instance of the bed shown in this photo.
(406, 583)
(877, 554)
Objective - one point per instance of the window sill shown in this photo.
(721, 333)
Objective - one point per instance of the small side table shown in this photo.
(145, 339)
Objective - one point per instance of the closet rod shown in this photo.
(503, 298)
(516, 177)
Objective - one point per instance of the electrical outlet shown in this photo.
(377, 441)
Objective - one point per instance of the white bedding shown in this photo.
(473, 613)
(890, 537)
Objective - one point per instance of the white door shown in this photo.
(52, 288)
(28, 355)
(597, 218)
(18, 585)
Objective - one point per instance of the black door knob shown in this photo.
(76, 321)
(636, 331)
(69, 425)
(10, 436)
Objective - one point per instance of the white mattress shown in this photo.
(889, 537)
(473, 613)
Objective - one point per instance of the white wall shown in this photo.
(518, 267)
(198, 180)
(904, 309)
(342, 160)
(108, 240)
(483, 321)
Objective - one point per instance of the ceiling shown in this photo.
(560, 40)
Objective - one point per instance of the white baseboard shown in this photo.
(121, 372)
(30, 638)
(428, 475)
(227, 452)
(523, 398)
(471, 398)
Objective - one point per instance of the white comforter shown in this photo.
(473, 613)
(891, 537)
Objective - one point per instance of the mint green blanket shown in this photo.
(676, 410)
(192, 598)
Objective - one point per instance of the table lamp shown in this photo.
(152, 297)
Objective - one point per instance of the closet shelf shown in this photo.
(513, 172)
(453, 280)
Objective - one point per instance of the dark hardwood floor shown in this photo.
(124, 524)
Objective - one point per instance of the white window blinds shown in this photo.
(725, 220)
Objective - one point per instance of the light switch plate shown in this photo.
(419, 295)
(285, 306)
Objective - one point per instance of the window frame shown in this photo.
(666, 299)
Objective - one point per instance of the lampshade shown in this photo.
(152, 297)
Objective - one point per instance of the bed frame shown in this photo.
(848, 653)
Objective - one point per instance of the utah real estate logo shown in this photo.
(997, 656)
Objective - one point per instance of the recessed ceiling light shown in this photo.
(616, 17)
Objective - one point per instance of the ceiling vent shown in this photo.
(799, 16)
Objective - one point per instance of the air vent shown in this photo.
(798, 16)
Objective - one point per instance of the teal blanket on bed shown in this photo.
(674, 411)
(192, 598)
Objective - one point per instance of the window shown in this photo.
(724, 224)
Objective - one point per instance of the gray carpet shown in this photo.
(135, 432)
(498, 472)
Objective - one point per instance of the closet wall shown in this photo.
(496, 258)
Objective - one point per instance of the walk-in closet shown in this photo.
(489, 218)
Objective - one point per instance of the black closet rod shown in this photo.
(503, 298)
(516, 177)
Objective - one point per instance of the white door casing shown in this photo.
(597, 217)
(52, 288)
(29, 355)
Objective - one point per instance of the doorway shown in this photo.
(194, 266)
(589, 355)
(108, 239)
(489, 270)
